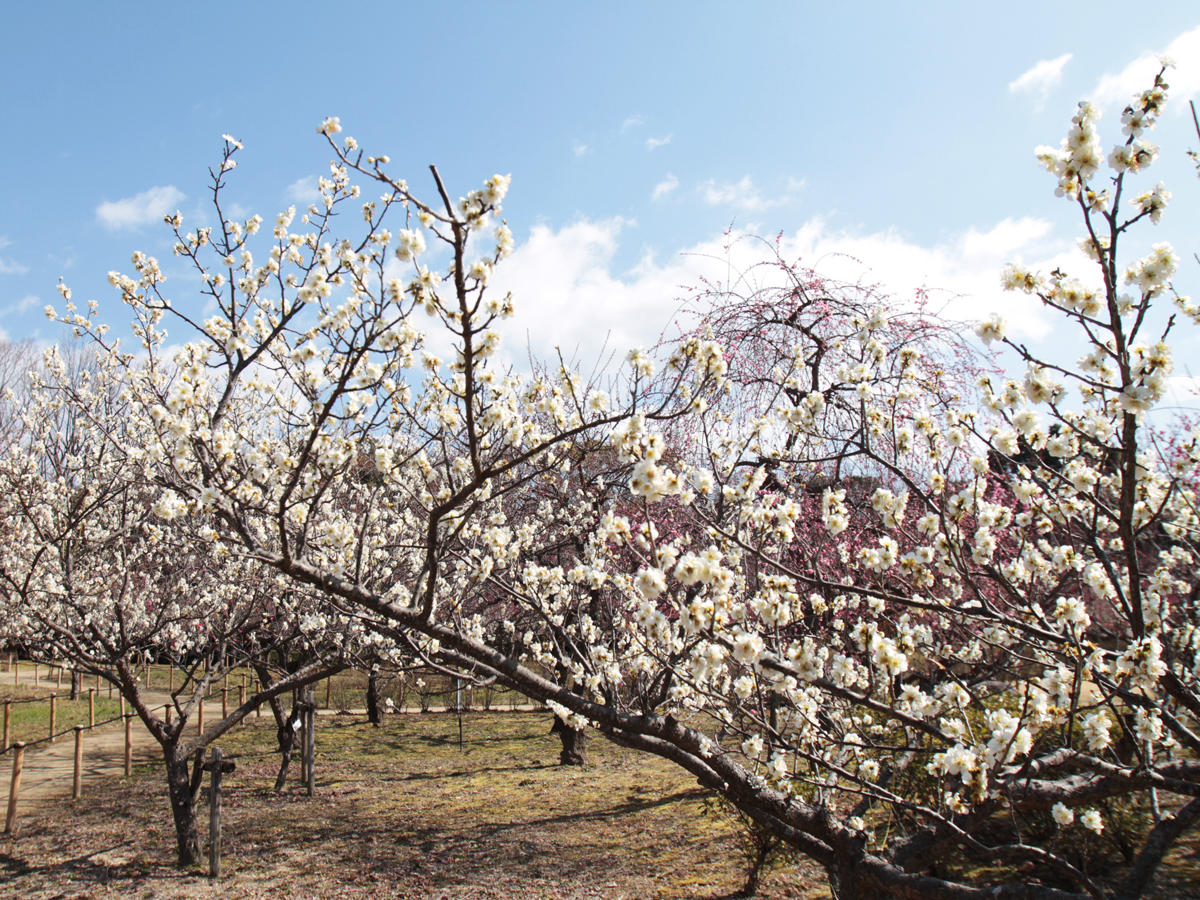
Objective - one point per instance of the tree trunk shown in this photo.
(183, 809)
(287, 742)
(574, 744)
(76, 679)
(374, 708)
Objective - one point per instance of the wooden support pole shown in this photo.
(53, 713)
(122, 705)
(7, 713)
(91, 707)
(328, 692)
(128, 746)
(214, 815)
(168, 709)
(310, 742)
(14, 790)
(216, 769)
(36, 673)
(58, 680)
(171, 677)
(242, 696)
(97, 681)
(200, 717)
(16, 670)
(77, 784)
(224, 703)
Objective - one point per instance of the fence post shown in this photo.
(91, 708)
(7, 712)
(36, 673)
(77, 785)
(242, 696)
(16, 670)
(58, 680)
(167, 707)
(224, 703)
(310, 743)
(122, 705)
(128, 745)
(200, 717)
(171, 684)
(14, 791)
(214, 815)
(53, 713)
(97, 681)
(328, 692)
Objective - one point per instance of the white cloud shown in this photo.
(4, 241)
(1117, 88)
(23, 305)
(632, 122)
(1041, 79)
(304, 190)
(665, 187)
(654, 143)
(568, 295)
(133, 212)
(12, 268)
(581, 149)
(744, 194)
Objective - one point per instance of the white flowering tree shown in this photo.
(992, 661)
(90, 576)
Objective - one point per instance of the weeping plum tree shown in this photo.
(971, 635)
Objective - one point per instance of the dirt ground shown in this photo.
(402, 811)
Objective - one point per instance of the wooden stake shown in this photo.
(310, 742)
(7, 713)
(242, 696)
(171, 676)
(53, 713)
(328, 691)
(77, 785)
(16, 670)
(214, 815)
(36, 673)
(14, 790)
(128, 746)
(91, 708)
(58, 684)
(200, 717)
(224, 703)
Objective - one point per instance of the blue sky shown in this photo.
(900, 134)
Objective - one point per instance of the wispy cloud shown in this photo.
(665, 187)
(304, 190)
(142, 209)
(745, 195)
(654, 143)
(1041, 79)
(633, 122)
(1119, 87)
(581, 149)
(12, 268)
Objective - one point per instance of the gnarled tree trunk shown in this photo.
(183, 810)
(574, 744)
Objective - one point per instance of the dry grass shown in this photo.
(400, 811)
